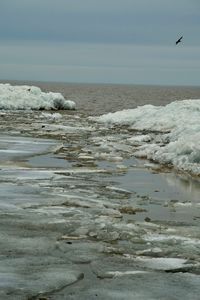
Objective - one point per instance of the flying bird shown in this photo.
(179, 40)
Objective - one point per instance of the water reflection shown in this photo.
(188, 186)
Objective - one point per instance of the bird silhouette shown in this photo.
(179, 40)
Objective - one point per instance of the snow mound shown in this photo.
(30, 97)
(172, 132)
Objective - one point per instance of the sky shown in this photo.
(101, 41)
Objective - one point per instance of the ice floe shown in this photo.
(31, 97)
(163, 263)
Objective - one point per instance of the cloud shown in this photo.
(105, 21)
(129, 41)
(100, 63)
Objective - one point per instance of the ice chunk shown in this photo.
(31, 97)
(164, 263)
(176, 127)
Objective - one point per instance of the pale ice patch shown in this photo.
(60, 128)
(108, 156)
(163, 263)
(30, 97)
(13, 151)
(54, 116)
(170, 134)
(124, 273)
(118, 190)
(27, 174)
(162, 238)
(138, 139)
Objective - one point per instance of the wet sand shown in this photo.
(82, 219)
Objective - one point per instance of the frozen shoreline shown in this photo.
(167, 134)
(82, 218)
(82, 215)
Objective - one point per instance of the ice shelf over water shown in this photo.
(30, 97)
(167, 134)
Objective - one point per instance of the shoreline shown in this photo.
(78, 221)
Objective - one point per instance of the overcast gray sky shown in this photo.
(106, 41)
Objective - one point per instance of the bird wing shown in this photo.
(179, 40)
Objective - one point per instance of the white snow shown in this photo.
(30, 97)
(172, 132)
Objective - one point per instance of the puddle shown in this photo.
(47, 161)
(12, 147)
(165, 196)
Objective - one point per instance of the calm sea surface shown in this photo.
(95, 99)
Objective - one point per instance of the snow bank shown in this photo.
(31, 97)
(169, 134)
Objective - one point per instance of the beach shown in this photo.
(95, 203)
